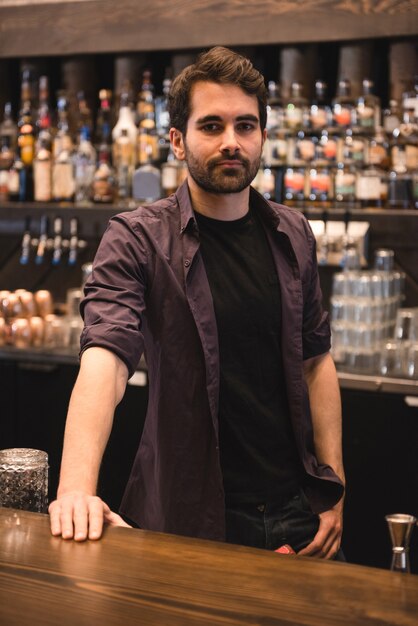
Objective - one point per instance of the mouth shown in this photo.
(231, 163)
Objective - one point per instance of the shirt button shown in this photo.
(186, 263)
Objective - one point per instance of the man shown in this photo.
(242, 439)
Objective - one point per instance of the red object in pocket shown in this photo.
(285, 549)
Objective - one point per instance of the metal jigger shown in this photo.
(400, 530)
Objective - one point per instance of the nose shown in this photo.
(229, 141)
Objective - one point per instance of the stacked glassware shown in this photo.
(364, 310)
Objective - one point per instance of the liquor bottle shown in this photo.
(327, 148)
(343, 106)
(84, 167)
(26, 141)
(146, 183)
(147, 138)
(123, 160)
(42, 169)
(391, 117)
(84, 118)
(62, 169)
(43, 121)
(104, 121)
(126, 123)
(371, 187)
(6, 160)
(368, 111)
(320, 113)
(404, 158)
(404, 148)
(296, 108)
(275, 113)
(410, 99)
(162, 116)
(265, 182)
(353, 148)
(42, 165)
(301, 148)
(103, 187)
(319, 189)
(20, 181)
(170, 174)
(345, 183)
(294, 184)
(8, 128)
(378, 149)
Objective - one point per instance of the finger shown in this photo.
(54, 518)
(66, 520)
(315, 548)
(95, 513)
(80, 520)
(113, 519)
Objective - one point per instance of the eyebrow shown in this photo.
(249, 117)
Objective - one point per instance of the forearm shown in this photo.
(325, 402)
(100, 386)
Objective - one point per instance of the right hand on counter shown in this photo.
(79, 516)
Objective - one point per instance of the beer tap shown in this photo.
(26, 243)
(43, 238)
(72, 256)
(57, 243)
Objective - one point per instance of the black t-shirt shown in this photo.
(258, 453)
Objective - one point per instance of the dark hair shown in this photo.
(218, 65)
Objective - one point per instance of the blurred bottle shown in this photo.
(344, 106)
(391, 117)
(8, 128)
(275, 113)
(296, 111)
(404, 157)
(368, 110)
(42, 169)
(345, 183)
(104, 123)
(410, 99)
(63, 185)
(162, 120)
(124, 127)
(43, 120)
(320, 113)
(84, 167)
(124, 159)
(147, 138)
(84, 117)
(170, 172)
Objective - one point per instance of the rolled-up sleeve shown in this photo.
(316, 327)
(114, 301)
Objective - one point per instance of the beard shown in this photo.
(213, 178)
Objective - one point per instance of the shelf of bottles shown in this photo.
(339, 153)
(343, 153)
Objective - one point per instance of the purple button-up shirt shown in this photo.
(149, 293)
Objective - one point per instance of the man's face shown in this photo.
(223, 143)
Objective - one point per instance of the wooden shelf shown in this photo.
(98, 26)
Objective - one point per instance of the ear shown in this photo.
(264, 136)
(177, 144)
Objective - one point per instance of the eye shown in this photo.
(246, 127)
(211, 127)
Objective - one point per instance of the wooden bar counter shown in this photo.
(134, 577)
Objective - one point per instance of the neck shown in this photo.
(227, 207)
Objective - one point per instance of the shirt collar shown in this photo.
(270, 213)
(185, 203)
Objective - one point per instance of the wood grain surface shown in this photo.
(132, 25)
(150, 579)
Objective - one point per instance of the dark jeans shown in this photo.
(270, 525)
